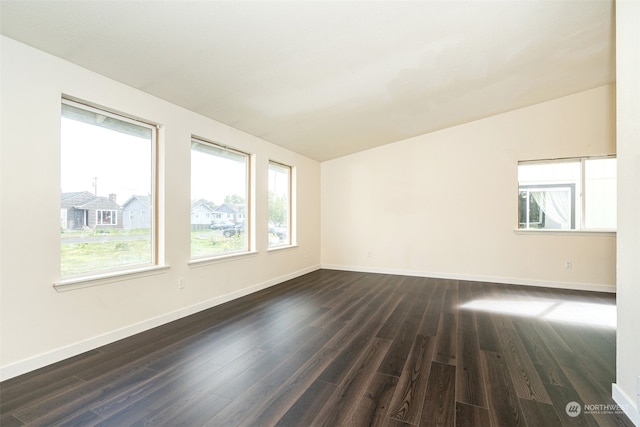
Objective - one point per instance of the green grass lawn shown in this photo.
(212, 243)
(90, 256)
(93, 256)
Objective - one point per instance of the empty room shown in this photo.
(320, 213)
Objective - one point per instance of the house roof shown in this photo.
(206, 204)
(86, 200)
(99, 203)
(144, 200)
(75, 198)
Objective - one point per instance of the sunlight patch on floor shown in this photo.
(603, 315)
(517, 308)
(586, 313)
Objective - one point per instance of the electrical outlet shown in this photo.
(181, 283)
(638, 393)
(568, 264)
(369, 253)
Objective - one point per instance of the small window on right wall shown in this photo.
(279, 205)
(568, 194)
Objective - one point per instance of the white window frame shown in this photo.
(290, 211)
(109, 275)
(246, 217)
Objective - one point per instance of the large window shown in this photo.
(573, 194)
(219, 200)
(279, 205)
(107, 167)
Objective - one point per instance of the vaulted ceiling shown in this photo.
(329, 78)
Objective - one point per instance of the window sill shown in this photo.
(102, 279)
(567, 232)
(201, 262)
(281, 248)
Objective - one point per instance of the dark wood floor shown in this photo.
(343, 349)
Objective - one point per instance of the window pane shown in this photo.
(547, 207)
(529, 211)
(279, 205)
(600, 193)
(549, 173)
(106, 175)
(219, 194)
(552, 193)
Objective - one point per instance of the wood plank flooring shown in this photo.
(336, 348)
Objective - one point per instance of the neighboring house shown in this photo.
(136, 212)
(83, 209)
(229, 212)
(202, 214)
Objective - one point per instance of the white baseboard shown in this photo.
(626, 404)
(42, 360)
(45, 359)
(478, 278)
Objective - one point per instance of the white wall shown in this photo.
(445, 204)
(628, 114)
(39, 325)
